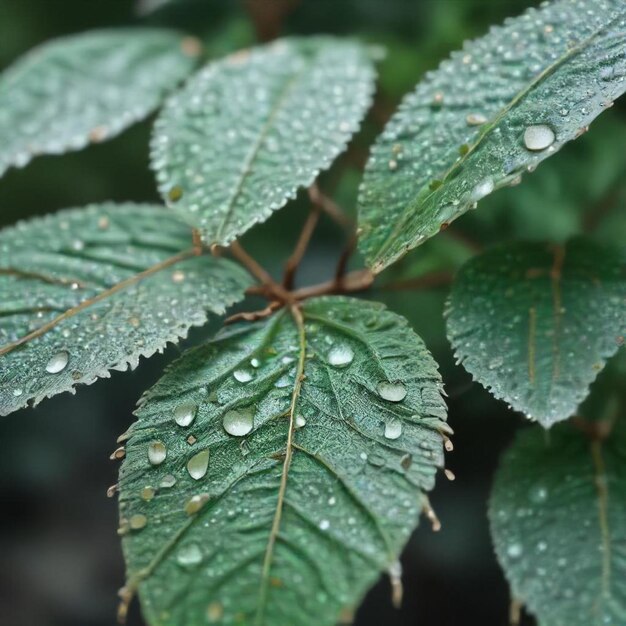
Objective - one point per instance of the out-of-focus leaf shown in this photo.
(558, 522)
(250, 130)
(88, 290)
(276, 470)
(535, 323)
(495, 109)
(87, 88)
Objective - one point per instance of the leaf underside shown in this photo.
(250, 130)
(66, 271)
(558, 522)
(461, 133)
(535, 323)
(86, 88)
(256, 552)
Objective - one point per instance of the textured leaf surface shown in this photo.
(301, 512)
(466, 129)
(558, 522)
(250, 130)
(535, 323)
(74, 280)
(86, 88)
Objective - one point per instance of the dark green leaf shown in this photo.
(89, 290)
(250, 130)
(314, 491)
(494, 110)
(558, 521)
(535, 323)
(87, 88)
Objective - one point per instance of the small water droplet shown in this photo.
(147, 493)
(393, 429)
(198, 465)
(195, 503)
(178, 276)
(17, 393)
(514, 550)
(58, 362)
(324, 524)
(393, 392)
(185, 413)
(476, 119)
(169, 480)
(238, 422)
(137, 522)
(300, 422)
(214, 612)
(340, 355)
(482, 189)
(538, 137)
(189, 555)
(538, 494)
(157, 452)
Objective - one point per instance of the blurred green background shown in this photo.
(60, 560)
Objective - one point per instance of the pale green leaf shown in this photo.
(87, 88)
(250, 130)
(494, 110)
(314, 492)
(558, 522)
(88, 290)
(535, 323)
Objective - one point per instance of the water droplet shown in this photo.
(476, 119)
(514, 550)
(394, 392)
(137, 522)
(147, 493)
(157, 452)
(340, 355)
(178, 276)
(57, 362)
(17, 393)
(169, 480)
(195, 503)
(198, 464)
(238, 422)
(538, 137)
(393, 429)
(324, 524)
(482, 189)
(189, 555)
(538, 494)
(214, 612)
(243, 376)
(300, 422)
(185, 413)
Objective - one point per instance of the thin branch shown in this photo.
(98, 298)
(347, 252)
(294, 260)
(253, 316)
(259, 272)
(330, 207)
(359, 280)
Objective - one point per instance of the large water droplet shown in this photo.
(238, 422)
(198, 464)
(157, 452)
(538, 137)
(57, 362)
(243, 376)
(189, 555)
(394, 392)
(185, 413)
(340, 355)
(393, 429)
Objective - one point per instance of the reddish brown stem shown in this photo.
(293, 262)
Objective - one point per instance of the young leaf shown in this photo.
(86, 88)
(274, 471)
(88, 290)
(495, 109)
(250, 130)
(558, 522)
(535, 323)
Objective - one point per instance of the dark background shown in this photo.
(60, 559)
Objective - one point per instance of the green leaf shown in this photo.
(535, 323)
(494, 110)
(87, 88)
(558, 522)
(314, 491)
(250, 130)
(88, 290)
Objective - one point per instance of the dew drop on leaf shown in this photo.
(300, 422)
(189, 555)
(394, 392)
(243, 376)
(238, 422)
(57, 362)
(514, 550)
(185, 413)
(169, 480)
(393, 429)
(147, 493)
(137, 522)
(340, 355)
(198, 464)
(157, 452)
(538, 137)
